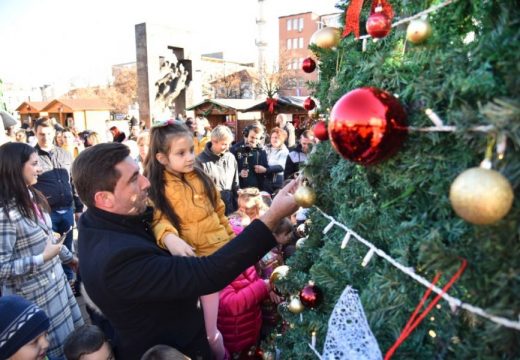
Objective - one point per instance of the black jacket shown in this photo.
(248, 160)
(150, 296)
(55, 181)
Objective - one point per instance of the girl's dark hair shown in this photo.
(14, 192)
(83, 341)
(160, 140)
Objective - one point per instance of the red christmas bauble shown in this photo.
(378, 25)
(253, 353)
(311, 296)
(320, 130)
(308, 65)
(309, 104)
(367, 125)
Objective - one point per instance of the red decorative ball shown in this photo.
(311, 296)
(253, 353)
(378, 25)
(308, 65)
(309, 104)
(320, 131)
(367, 125)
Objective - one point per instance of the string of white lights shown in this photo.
(440, 127)
(452, 301)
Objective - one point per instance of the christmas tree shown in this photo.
(468, 73)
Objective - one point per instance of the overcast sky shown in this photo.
(56, 41)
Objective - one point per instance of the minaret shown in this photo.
(260, 41)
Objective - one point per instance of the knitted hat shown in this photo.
(20, 322)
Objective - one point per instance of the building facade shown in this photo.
(295, 32)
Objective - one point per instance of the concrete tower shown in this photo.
(260, 41)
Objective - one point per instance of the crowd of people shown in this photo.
(179, 229)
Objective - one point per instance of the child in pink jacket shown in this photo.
(239, 314)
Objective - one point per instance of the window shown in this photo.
(289, 43)
(295, 64)
(300, 25)
(295, 43)
(301, 62)
(289, 65)
(289, 27)
(295, 24)
(300, 43)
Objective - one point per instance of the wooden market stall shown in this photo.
(271, 107)
(91, 114)
(228, 112)
(31, 110)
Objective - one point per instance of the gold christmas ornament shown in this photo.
(305, 196)
(278, 273)
(326, 38)
(313, 114)
(295, 305)
(268, 355)
(418, 31)
(481, 196)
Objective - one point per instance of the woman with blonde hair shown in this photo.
(277, 154)
(250, 202)
(202, 134)
(93, 139)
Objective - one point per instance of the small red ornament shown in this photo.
(308, 65)
(367, 125)
(311, 295)
(309, 104)
(378, 25)
(253, 353)
(320, 131)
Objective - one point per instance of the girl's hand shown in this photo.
(177, 246)
(52, 248)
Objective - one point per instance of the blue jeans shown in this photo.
(60, 224)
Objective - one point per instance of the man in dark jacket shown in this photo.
(298, 155)
(220, 165)
(250, 154)
(56, 184)
(150, 296)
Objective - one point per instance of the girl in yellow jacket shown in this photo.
(189, 214)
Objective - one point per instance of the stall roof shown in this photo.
(281, 102)
(32, 106)
(236, 104)
(79, 104)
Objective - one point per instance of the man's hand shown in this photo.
(283, 205)
(177, 246)
(259, 169)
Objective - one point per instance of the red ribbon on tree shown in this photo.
(354, 10)
(271, 103)
(416, 318)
